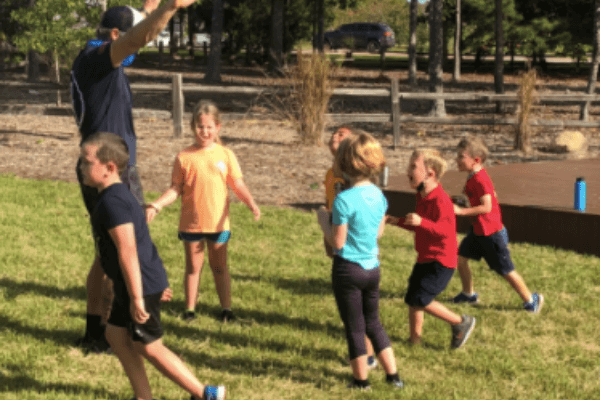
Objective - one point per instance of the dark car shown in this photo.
(361, 35)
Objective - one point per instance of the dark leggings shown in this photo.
(356, 293)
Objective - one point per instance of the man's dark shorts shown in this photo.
(493, 249)
(426, 281)
(130, 177)
(146, 333)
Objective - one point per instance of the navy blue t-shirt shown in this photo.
(117, 206)
(102, 97)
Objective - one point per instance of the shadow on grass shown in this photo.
(247, 316)
(18, 381)
(62, 337)
(266, 365)
(12, 289)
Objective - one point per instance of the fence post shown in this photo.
(395, 111)
(177, 105)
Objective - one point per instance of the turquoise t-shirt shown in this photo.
(362, 208)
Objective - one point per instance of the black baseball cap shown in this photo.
(120, 17)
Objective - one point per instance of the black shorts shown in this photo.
(146, 333)
(426, 281)
(130, 177)
(493, 248)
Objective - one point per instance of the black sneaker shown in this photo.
(356, 386)
(188, 316)
(462, 331)
(227, 316)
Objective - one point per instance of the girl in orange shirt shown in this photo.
(202, 175)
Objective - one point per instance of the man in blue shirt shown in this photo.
(102, 101)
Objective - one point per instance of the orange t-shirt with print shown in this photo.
(202, 177)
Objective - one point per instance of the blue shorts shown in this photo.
(219, 237)
(493, 249)
(426, 281)
(148, 332)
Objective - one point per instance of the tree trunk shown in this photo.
(412, 43)
(191, 27)
(591, 87)
(172, 36)
(457, 40)
(276, 51)
(320, 26)
(499, 67)
(181, 16)
(436, 42)
(33, 66)
(213, 73)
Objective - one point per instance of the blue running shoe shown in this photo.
(463, 298)
(372, 362)
(214, 393)
(536, 303)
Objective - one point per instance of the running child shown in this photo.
(129, 258)
(434, 225)
(201, 175)
(352, 228)
(487, 237)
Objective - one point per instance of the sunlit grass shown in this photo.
(289, 342)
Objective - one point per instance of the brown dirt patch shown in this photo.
(277, 168)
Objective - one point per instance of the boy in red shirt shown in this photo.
(434, 225)
(488, 237)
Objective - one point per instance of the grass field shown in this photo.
(289, 341)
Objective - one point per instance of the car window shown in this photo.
(345, 28)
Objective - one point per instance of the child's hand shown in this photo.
(458, 210)
(391, 220)
(413, 219)
(256, 211)
(151, 211)
(138, 312)
(167, 295)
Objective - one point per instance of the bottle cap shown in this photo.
(581, 178)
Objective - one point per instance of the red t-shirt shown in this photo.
(478, 185)
(435, 238)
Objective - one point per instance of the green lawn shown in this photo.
(289, 342)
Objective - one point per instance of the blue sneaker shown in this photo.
(214, 393)
(463, 298)
(536, 303)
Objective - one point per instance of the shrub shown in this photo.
(309, 86)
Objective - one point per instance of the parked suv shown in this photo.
(361, 35)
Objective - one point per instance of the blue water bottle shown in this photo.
(580, 194)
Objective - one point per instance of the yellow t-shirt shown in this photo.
(330, 182)
(202, 177)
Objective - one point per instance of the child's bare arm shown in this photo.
(484, 208)
(381, 227)
(123, 237)
(241, 191)
(167, 198)
(335, 235)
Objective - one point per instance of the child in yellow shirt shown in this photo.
(201, 176)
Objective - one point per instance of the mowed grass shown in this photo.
(288, 342)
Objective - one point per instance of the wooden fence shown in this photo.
(395, 97)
